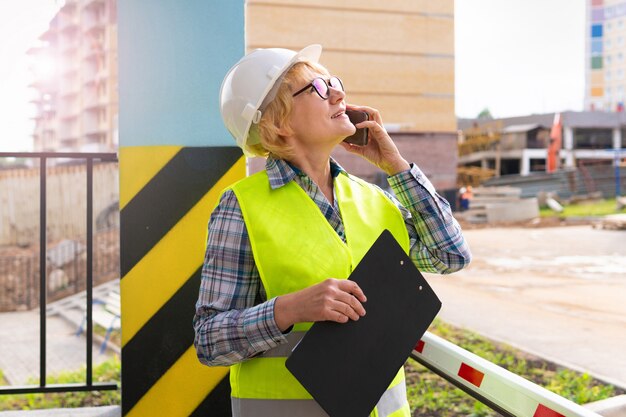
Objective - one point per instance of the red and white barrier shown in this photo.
(498, 388)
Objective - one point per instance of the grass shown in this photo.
(108, 371)
(431, 395)
(585, 209)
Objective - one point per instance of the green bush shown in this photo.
(108, 371)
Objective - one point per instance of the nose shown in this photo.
(336, 94)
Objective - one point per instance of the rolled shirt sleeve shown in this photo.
(437, 242)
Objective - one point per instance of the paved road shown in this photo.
(557, 292)
(19, 340)
(19, 347)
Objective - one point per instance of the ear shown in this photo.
(284, 130)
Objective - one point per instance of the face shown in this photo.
(315, 120)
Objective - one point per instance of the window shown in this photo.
(596, 62)
(537, 165)
(596, 31)
(607, 75)
(596, 47)
(593, 138)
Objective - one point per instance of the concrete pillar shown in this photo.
(617, 137)
(568, 146)
(175, 158)
(524, 164)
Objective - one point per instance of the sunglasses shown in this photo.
(321, 87)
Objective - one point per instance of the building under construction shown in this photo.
(584, 142)
(77, 101)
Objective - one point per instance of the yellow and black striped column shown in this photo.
(167, 194)
(175, 158)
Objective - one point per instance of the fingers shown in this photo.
(346, 311)
(352, 288)
(373, 126)
(347, 300)
(331, 300)
(349, 307)
(374, 115)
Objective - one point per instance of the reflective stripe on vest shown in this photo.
(393, 403)
(295, 247)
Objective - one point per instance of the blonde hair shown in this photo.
(276, 115)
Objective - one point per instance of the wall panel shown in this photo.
(444, 7)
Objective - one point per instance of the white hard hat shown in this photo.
(249, 86)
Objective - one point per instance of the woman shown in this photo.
(282, 242)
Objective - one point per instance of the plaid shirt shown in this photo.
(234, 321)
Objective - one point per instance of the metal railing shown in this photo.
(89, 385)
(497, 388)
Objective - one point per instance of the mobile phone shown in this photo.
(360, 136)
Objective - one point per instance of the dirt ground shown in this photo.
(557, 292)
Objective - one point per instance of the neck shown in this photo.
(317, 166)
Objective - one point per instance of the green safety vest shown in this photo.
(295, 247)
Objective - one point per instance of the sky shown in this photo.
(21, 23)
(513, 57)
(518, 57)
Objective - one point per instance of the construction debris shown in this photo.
(612, 222)
(500, 205)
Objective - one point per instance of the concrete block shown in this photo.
(611, 407)
(523, 209)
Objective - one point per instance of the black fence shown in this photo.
(38, 270)
(65, 269)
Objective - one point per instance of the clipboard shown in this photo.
(347, 367)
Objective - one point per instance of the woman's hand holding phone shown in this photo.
(379, 149)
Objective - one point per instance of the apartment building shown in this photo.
(605, 55)
(76, 99)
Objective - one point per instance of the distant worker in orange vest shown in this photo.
(466, 196)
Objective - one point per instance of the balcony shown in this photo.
(92, 100)
(68, 132)
(91, 4)
(68, 109)
(93, 25)
(94, 122)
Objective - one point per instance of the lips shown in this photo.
(339, 113)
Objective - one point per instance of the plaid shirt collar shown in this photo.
(280, 172)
